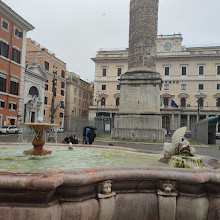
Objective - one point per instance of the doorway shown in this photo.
(32, 117)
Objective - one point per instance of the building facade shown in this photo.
(79, 96)
(34, 86)
(13, 33)
(191, 78)
(48, 60)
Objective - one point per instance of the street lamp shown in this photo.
(53, 109)
(97, 103)
(54, 81)
(198, 105)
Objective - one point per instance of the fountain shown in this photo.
(38, 141)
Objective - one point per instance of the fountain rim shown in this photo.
(37, 124)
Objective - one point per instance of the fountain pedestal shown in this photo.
(38, 141)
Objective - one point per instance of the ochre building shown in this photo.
(13, 32)
(48, 60)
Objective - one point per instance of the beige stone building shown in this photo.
(79, 96)
(191, 78)
(37, 53)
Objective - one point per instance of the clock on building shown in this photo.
(167, 46)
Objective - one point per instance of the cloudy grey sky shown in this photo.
(76, 29)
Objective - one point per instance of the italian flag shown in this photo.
(162, 106)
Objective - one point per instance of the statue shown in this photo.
(167, 188)
(179, 145)
(105, 189)
(179, 153)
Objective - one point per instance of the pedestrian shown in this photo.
(86, 130)
(73, 139)
(91, 135)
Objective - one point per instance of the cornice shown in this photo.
(8, 12)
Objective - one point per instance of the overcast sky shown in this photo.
(76, 29)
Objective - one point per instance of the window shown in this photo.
(218, 70)
(2, 104)
(117, 102)
(183, 102)
(103, 87)
(45, 100)
(102, 101)
(2, 84)
(166, 86)
(44, 112)
(166, 101)
(16, 55)
(218, 102)
(201, 87)
(79, 101)
(166, 70)
(62, 92)
(46, 87)
(75, 91)
(63, 85)
(200, 102)
(104, 70)
(33, 91)
(18, 33)
(218, 86)
(201, 70)
(5, 25)
(62, 73)
(75, 100)
(12, 106)
(183, 70)
(4, 48)
(119, 71)
(80, 93)
(61, 115)
(118, 87)
(14, 88)
(183, 86)
(46, 65)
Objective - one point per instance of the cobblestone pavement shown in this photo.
(212, 150)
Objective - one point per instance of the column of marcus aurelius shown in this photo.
(139, 111)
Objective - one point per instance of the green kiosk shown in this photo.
(212, 121)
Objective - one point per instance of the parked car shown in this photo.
(188, 134)
(217, 135)
(9, 129)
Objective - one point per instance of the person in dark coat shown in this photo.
(91, 135)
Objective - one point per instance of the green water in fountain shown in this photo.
(12, 158)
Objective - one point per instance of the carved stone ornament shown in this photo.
(105, 190)
(167, 188)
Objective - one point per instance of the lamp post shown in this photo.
(54, 81)
(53, 109)
(198, 106)
(97, 104)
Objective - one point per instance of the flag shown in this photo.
(163, 106)
(174, 104)
(61, 104)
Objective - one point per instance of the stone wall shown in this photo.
(111, 193)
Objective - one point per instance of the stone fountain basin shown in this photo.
(73, 193)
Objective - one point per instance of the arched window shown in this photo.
(218, 102)
(33, 91)
(200, 102)
(117, 102)
(166, 101)
(102, 101)
(74, 112)
(183, 102)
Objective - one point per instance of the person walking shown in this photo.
(91, 135)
